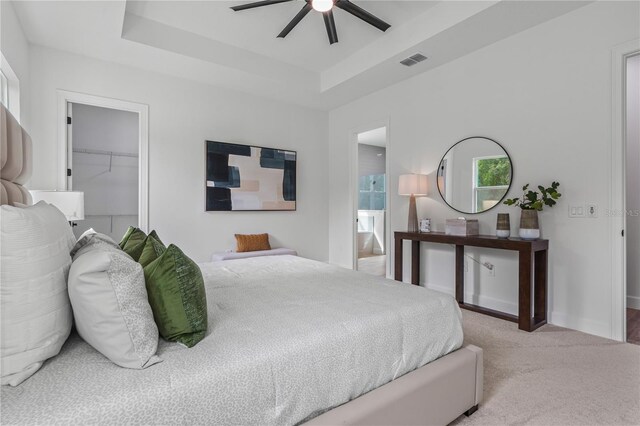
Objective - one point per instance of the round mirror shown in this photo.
(474, 175)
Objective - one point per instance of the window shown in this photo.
(4, 89)
(491, 178)
(373, 189)
(9, 88)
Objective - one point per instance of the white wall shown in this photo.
(633, 182)
(546, 95)
(15, 48)
(182, 115)
(109, 183)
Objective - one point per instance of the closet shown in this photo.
(104, 165)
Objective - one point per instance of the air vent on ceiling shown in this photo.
(413, 59)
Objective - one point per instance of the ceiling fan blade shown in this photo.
(359, 12)
(257, 4)
(331, 26)
(296, 20)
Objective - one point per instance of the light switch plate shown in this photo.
(576, 211)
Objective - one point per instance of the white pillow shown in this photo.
(110, 303)
(36, 315)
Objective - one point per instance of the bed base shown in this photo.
(435, 394)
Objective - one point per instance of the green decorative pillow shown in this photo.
(177, 297)
(153, 249)
(135, 249)
(154, 235)
(132, 238)
(126, 236)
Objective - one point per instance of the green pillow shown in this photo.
(126, 236)
(154, 235)
(134, 247)
(177, 297)
(136, 237)
(151, 251)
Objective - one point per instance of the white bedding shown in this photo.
(288, 339)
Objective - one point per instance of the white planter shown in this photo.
(503, 233)
(529, 234)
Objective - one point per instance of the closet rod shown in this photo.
(108, 215)
(99, 152)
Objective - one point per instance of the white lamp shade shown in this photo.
(412, 184)
(70, 203)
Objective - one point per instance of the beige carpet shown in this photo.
(373, 265)
(553, 376)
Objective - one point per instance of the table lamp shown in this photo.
(414, 185)
(70, 203)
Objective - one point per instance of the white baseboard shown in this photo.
(556, 318)
(633, 302)
(478, 299)
(581, 324)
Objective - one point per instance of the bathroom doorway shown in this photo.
(372, 202)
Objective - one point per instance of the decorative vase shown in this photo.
(529, 228)
(503, 227)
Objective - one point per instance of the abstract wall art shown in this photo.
(244, 177)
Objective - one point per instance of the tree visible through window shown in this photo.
(491, 179)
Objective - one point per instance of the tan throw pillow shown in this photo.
(252, 242)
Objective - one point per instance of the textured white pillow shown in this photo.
(110, 303)
(36, 315)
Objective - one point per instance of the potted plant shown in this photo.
(531, 203)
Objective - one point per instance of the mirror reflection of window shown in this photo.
(491, 179)
(474, 175)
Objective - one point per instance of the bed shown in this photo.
(289, 341)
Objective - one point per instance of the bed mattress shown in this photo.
(288, 339)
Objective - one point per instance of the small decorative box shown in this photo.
(461, 227)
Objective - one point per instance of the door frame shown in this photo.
(64, 98)
(617, 193)
(354, 191)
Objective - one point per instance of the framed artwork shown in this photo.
(249, 178)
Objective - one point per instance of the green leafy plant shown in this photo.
(536, 200)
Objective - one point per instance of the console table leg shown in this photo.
(460, 274)
(540, 289)
(415, 262)
(397, 260)
(524, 290)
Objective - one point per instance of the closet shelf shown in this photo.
(100, 152)
(109, 215)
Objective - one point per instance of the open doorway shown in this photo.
(372, 202)
(632, 195)
(103, 152)
(104, 162)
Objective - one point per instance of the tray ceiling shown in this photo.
(208, 42)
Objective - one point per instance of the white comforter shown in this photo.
(288, 339)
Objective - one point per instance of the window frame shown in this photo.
(4, 89)
(474, 180)
(12, 88)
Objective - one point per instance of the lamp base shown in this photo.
(412, 225)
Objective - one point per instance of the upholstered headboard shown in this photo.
(15, 160)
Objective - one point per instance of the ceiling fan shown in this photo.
(326, 8)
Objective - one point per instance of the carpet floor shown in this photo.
(553, 376)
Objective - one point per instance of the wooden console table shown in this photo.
(532, 258)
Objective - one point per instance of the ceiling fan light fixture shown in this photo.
(322, 5)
